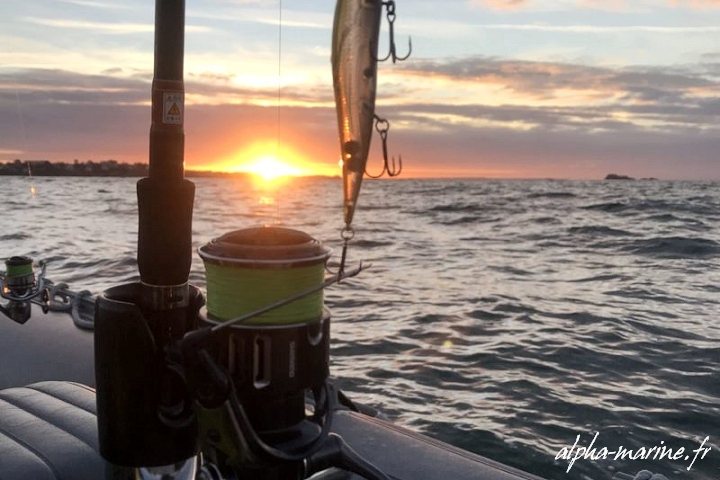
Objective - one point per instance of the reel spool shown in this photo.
(19, 277)
(251, 268)
(21, 287)
(275, 358)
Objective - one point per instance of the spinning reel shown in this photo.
(22, 288)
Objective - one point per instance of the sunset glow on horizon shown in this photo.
(269, 167)
(270, 160)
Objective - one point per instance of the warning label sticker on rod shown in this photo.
(172, 108)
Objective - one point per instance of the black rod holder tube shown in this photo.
(135, 387)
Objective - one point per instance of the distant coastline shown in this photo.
(113, 168)
(105, 168)
(46, 168)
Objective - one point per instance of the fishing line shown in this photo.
(277, 107)
(238, 290)
(279, 75)
(22, 120)
(33, 188)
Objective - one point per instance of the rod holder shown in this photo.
(145, 416)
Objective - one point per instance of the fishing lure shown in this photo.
(354, 65)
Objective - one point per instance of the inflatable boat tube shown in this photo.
(48, 426)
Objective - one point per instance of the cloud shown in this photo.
(637, 119)
(523, 94)
(608, 5)
(104, 27)
(47, 87)
(699, 4)
(504, 4)
(294, 23)
(642, 123)
(240, 2)
(113, 87)
(290, 18)
(117, 28)
(95, 4)
(6, 152)
(602, 29)
(543, 78)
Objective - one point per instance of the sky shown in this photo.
(494, 88)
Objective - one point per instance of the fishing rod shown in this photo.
(137, 323)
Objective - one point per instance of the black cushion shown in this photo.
(48, 430)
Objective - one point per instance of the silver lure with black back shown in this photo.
(354, 63)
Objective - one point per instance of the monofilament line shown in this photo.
(279, 96)
(279, 81)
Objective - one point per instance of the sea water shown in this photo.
(521, 320)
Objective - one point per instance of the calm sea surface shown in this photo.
(505, 317)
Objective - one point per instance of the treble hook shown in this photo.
(382, 126)
(390, 7)
(346, 234)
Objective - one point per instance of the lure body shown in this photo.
(354, 65)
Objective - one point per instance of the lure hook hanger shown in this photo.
(390, 7)
(346, 234)
(382, 126)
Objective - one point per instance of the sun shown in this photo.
(269, 168)
(268, 161)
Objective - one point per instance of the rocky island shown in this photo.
(615, 176)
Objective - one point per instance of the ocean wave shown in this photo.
(369, 207)
(546, 220)
(582, 318)
(663, 217)
(674, 247)
(689, 222)
(464, 220)
(455, 208)
(481, 314)
(371, 243)
(15, 236)
(511, 270)
(602, 278)
(607, 206)
(599, 230)
(661, 206)
(552, 195)
(432, 190)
